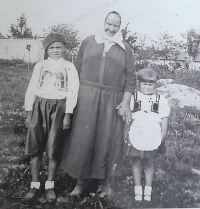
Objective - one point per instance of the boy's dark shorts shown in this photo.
(46, 127)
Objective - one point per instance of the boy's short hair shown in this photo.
(147, 75)
(53, 37)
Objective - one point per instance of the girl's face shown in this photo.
(112, 24)
(56, 50)
(147, 88)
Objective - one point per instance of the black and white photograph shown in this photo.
(99, 104)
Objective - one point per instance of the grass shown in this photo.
(176, 181)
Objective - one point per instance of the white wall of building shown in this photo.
(16, 49)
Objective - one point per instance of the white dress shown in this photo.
(145, 130)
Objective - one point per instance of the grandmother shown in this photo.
(107, 80)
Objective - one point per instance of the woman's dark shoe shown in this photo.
(80, 188)
(105, 191)
(31, 195)
(104, 188)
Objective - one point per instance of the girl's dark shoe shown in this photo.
(138, 196)
(147, 196)
(31, 195)
(138, 200)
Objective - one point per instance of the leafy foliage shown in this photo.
(20, 30)
(167, 48)
(131, 39)
(71, 36)
(175, 183)
(193, 43)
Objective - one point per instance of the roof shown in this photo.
(1, 35)
(182, 57)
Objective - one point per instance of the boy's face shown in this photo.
(56, 50)
(147, 88)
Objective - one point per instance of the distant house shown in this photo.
(182, 57)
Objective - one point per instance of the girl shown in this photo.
(150, 113)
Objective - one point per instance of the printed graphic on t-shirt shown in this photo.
(53, 81)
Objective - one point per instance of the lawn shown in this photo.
(177, 173)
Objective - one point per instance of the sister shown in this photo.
(150, 112)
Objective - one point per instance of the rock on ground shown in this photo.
(181, 95)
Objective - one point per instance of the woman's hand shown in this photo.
(28, 118)
(67, 121)
(124, 107)
(124, 111)
(119, 111)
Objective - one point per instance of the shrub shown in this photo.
(15, 63)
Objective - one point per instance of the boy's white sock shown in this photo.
(35, 184)
(147, 193)
(138, 193)
(49, 184)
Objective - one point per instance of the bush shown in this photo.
(187, 77)
(15, 63)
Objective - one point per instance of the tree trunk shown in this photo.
(192, 63)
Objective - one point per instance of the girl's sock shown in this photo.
(138, 193)
(49, 184)
(35, 184)
(147, 193)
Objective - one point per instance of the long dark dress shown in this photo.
(96, 144)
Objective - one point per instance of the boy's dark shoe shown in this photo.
(146, 203)
(48, 197)
(31, 195)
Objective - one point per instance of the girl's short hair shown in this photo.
(147, 75)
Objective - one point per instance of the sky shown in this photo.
(145, 17)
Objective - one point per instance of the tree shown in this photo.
(71, 36)
(176, 49)
(166, 48)
(142, 54)
(21, 30)
(193, 45)
(131, 39)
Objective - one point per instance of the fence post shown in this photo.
(28, 47)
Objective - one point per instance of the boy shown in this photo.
(49, 102)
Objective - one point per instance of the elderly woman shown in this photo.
(106, 69)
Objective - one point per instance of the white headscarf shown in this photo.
(109, 41)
